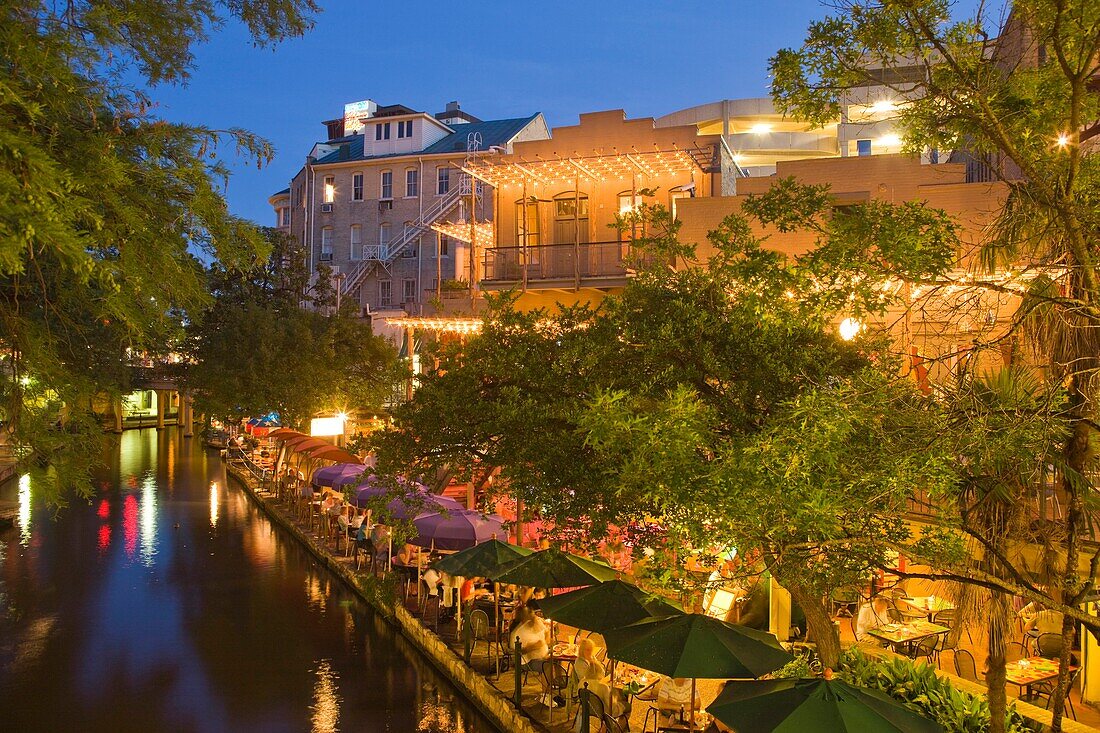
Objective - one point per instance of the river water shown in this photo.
(169, 602)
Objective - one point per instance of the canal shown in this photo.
(168, 602)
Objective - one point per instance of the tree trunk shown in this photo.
(995, 664)
(820, 625)
(1078, 454)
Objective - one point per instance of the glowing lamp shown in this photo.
(849, 328)
(760, 128)
(884, 105)
(323, 427)
(1063, 140)
(889, 141)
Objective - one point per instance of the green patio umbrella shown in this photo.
(695, 645)
(610, 605)
(482, 561)
(553, 568)
(810, 705)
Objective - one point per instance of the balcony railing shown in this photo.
(558, 262)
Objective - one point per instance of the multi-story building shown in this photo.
(554, 236)
(383, 203)
(758, 137)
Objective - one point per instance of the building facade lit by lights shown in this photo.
(553, 236)
(383, 204)
(758, 137)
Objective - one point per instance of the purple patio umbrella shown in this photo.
(418, 502)
(337, 474)
(456, 530)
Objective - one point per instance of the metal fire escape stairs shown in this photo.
(383, 254)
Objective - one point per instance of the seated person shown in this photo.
(358, 518)
(534, 648)
(871, 616)
(405, 556)
(588, 670)
(431, 578)
(674, 695)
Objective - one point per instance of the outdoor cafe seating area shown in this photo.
(569, 638)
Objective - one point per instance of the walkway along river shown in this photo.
(170, 603)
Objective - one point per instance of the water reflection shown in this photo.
(24, 517)
(148, 519)
(214, 504)
(326, 700)
(127, 613)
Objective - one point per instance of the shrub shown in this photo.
(920, 688)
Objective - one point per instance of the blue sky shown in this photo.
(497, 58)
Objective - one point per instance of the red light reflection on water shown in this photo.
(104, 509)
(130, 524)
(104, 537)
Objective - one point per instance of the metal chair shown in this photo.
(965, 666)
(1046, 690)
(1015, 651)
(928, 648)
(1049, 646)
(479, 631)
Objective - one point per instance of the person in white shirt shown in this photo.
(871, 616)
(674, 695)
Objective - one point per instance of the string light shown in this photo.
(439, 325)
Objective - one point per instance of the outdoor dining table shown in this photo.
(1026, 672)
(702, 720)
(931, 605)
(565, 651)
(898, 634)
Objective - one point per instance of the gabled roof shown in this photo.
(493, 132)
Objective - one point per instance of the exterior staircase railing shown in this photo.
(385, 252)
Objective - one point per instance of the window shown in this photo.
(284, 216)
(405, 128)
(409, 290)
(409, 252)
(412, 182)
(387, 185)
(527, 223)
(356, 186)
(863, 147)
(444, 246)
(442, 180)
(382, 131)
(326, 244)
(385, 293)
(383, 234)
(330, 189)
(356, 241)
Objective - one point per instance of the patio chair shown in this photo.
(606, 724)
(1043, 692)
(1049, 646)
(965, 666)
(479, 631)
(949, 618)
(1015, 651)
(906, 614)
(926, 648)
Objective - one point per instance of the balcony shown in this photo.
(552, 266)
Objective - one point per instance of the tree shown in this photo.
(103, 204)
(1022, 107)
(676, 403)
(257, 349)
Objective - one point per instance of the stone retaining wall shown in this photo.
(490, 701)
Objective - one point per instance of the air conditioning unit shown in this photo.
(334, 269)
(326, 257)
(326, 208)
(385, 204)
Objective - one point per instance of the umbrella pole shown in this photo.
(496, 617)
(691, 707)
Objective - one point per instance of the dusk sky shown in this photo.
(497, 58)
